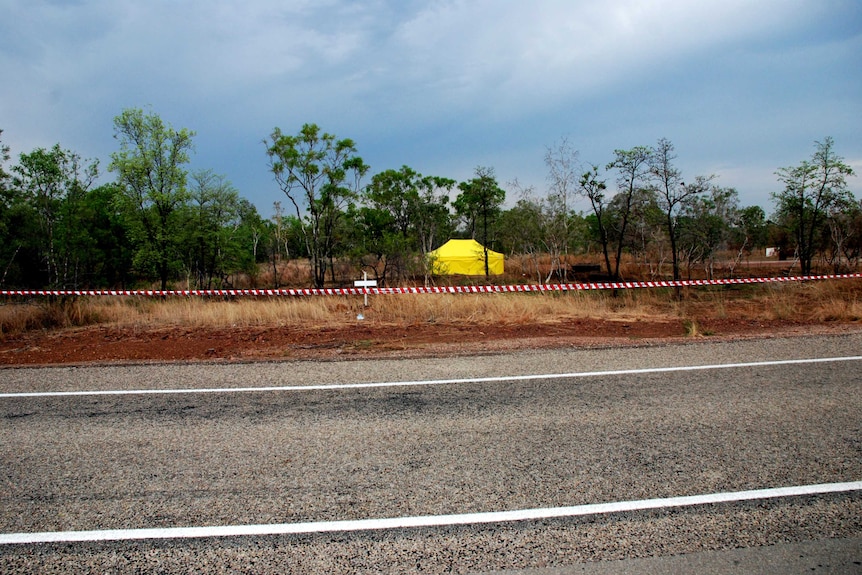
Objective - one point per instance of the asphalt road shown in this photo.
(588, 428)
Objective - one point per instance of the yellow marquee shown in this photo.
(464, 257)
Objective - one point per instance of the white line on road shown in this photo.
(343, 386)
(422, 520)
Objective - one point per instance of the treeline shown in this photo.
(159, 223)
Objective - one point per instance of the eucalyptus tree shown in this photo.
(52, 183)
(646, 237)
(418, 205)
(592, 187)
(432, 220)
(320, 175)
(563, 177)
(107, 250)
(705, 226)
(632, 168)
(4, 175)
(751, 230)
(844, 230)
(673, 193)
(521, 228)
(404, 215)
(213, 217)
(7, 252)
(479, 203)
(149, 166)
(810, 190)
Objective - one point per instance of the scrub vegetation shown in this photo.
(803, 302)
(161, 224)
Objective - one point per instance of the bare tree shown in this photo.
(564, 169)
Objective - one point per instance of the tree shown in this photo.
(242, 239)
(149, 165)
(751, 229)
(705, 226)
(431, 216)
(211, 251)
(810, 190)
(479, 202)
(521, 228)
(633, 171)
(319, 175)
(52, 182)
(4, 176)
(673, 193)
(106, 245)
(536, 226)
(593, 188)
(7, 196)
(844, 221)
(405, 213)
(646, 237)
(564, 178)
(14, 219)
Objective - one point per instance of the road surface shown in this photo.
(413, 465)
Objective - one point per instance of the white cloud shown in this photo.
(458, 82)
(488, 54)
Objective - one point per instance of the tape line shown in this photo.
(519, 288)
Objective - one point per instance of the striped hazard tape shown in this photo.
(518, 288)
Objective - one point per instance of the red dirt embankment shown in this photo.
(119, 345)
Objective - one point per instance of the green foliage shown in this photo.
(706, 225)
(673, 194)
(149, 166)
(632, 168)
(751, 230)
(843, 235)
(106, 247)
(154, 222)
(320, 175)
(811, 189)
(520, 228)
(217, 226)
(4, 157)
(404, 215)
(594, 188)
(479, 204)
(50, 185)
(536, 226)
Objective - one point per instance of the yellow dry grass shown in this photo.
(821, 301)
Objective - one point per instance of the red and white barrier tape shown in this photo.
(521, 288)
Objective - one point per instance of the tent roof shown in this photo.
(461, 248)
(465, 257)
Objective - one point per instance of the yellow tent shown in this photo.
(464, 257)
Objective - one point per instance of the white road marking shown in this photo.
(422, 520)
(343, 386)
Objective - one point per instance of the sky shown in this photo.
(740, 87)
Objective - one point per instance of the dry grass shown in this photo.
(822, 301)
(329, 310)
(511, 309)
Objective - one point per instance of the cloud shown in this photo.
(479, 55)
(448, 84)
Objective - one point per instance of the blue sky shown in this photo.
(741, 88)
